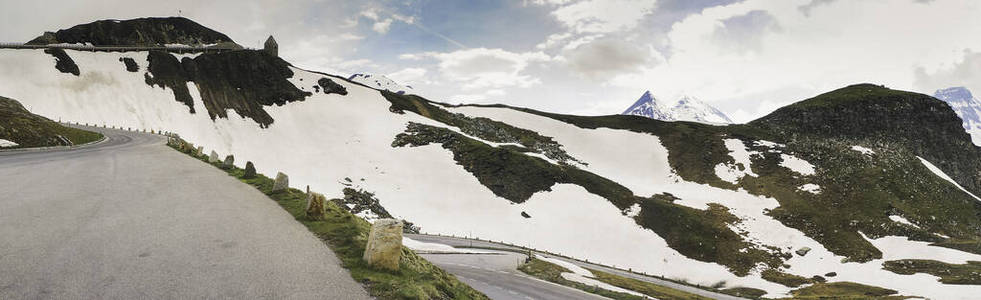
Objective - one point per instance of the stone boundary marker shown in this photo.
(282, 182)
(384, 248)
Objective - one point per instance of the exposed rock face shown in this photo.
(282, 182)
(271, 46)
(384, 247)
(228, 163)
(316, 208)
(63, 63)
(329, 86)
(136, 32)
(243, 81)
(213, 158)
(926, 126)
(249, 170)
(131, 65)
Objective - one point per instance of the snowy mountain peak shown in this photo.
(686, 108)
(380, 82)
(966, 106)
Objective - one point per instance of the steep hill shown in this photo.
(839, 184)
(137, 32)
(20, 128)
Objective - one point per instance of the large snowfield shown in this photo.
(328, 137)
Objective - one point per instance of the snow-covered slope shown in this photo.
(687, 108)
(326, 138)
(966, 106)
(380, 82)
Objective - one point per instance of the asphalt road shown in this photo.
(129, 218)
(496, 275)
(484, 264)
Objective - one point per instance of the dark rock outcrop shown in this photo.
(131, 65)
(63, 62)
(136, 32)
(243, 81)
(329, 86)
(249, 170)
(927, 127)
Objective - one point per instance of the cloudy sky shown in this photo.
(590, 57)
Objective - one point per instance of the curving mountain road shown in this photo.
(474, 263)
(129, 218)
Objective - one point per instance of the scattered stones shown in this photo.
(131, 65)
(803, 251)
(229, 162)
(282, 182)
(213, 158)
(526, 215)
(316, 205)
(384, 247)
(249, 170)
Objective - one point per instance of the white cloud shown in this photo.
(488, 68)
(603, 15)
(966, 72)
(606, 57)
(382, 26)
(842, 43)
(409, 76)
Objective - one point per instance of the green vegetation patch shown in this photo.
(29, 130)
(745, 292)
(844, 290)
(484, 128)
(788, 280)
(553, 273)
(347, 235)
(969, 273)
(644, 287)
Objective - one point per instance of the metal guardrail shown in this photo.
(80, 47)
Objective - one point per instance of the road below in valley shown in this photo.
(475, 263)
(129, 218)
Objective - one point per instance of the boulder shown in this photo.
(229, 162)
(249, 170)
(316, 205)
(213, 158)
(384, 248)
(803, 251)
(199, 151)
(282, 182)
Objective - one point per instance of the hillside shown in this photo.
(137, 32)
(22, 129)
(831, 188)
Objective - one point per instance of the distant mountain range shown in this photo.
(966, 106)
(380, 82)
(687, 108)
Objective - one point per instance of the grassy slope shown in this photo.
(553, 273)
(29, 130)
(844, 290)
(969, 273)
(347, 235)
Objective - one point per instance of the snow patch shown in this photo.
(811, 188)
(633, 210)
(863, 150)
(435, 247)
(5, 143)
(732, 172)
(797, 165)
(944, 176)
(581, 275)
(901, 220)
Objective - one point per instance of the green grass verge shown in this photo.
(28, 130)
(553, 273)
(643, 287)
(347, 235)
(844, 290)
(969, 273)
